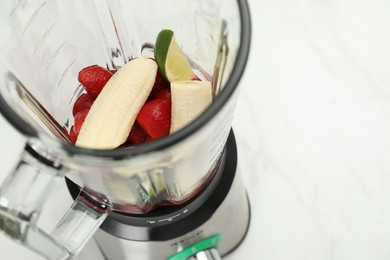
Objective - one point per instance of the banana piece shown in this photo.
(114, 111)
(189, 99)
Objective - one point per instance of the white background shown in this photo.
(313, 130)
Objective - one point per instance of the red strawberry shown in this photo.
(163, 93)
(72, 135)
(155, 117)
(159, 84)
(94, 78)
(195, 77)
(83, 102)
(79, 120)
(137, 134)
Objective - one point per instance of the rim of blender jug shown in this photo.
(215, 107)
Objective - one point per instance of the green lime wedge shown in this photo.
(171, 60)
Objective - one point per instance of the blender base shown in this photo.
(220, 211)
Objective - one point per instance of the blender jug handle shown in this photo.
(22, 196)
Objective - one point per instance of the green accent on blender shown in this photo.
(210, 242)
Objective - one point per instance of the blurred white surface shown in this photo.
(313, 131)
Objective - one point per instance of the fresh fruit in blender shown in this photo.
(94, 78)
(137, 135)
(173, 80)
(79, 121)
(159, 85)
(114, 111)
(189, 99)
(163, 93)
(155, 117)
(171, 60)
(72, 135)
(83, 102)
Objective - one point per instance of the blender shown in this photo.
(178, 197)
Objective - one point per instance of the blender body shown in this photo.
(210, 225)
(46, 43)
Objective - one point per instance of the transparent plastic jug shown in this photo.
(44, 44)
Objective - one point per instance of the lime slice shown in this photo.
(170, 58)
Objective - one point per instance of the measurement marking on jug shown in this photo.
(55, 55)
(65, 72)
(33, 17)
(44, 37)
(17, 5)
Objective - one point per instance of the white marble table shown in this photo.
(313, 130)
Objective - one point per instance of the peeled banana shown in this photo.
(189, 99)
(114, 111)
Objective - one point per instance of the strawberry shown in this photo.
(163, 93)
(94, 78)
(83, 102)
(155, 117)
(72, 135)
(79, 120)
(159, 84)
(195, 77)
(137, 135)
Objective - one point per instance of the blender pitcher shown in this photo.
(45, 43)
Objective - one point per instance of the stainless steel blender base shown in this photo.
(224, 211)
